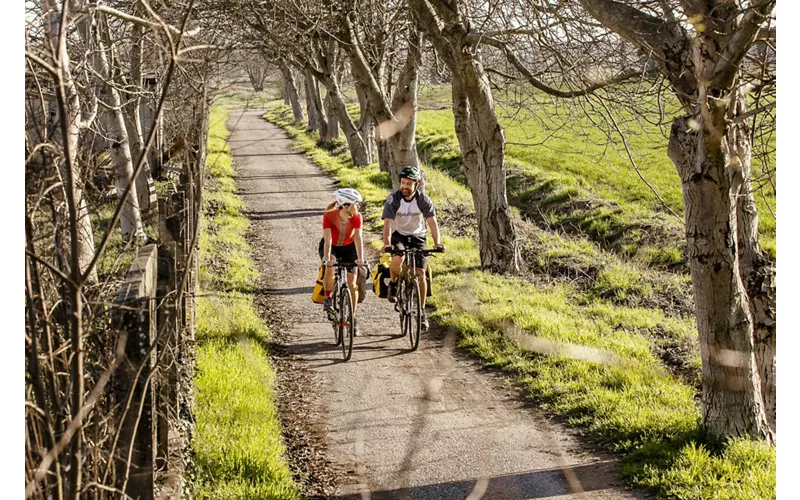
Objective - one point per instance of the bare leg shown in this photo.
(327, 282)
(351, 282)
(394, 267)
(423, 286)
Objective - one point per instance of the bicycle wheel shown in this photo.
(335, 304)
(400, 302)
(346, 322)
(414, 315)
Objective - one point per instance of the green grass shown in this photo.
(580, 351)
(238, 451)
(576, 164)
(252, 100)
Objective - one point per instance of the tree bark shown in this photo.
(479, 133)
(145, 188)
(732, 400)
(316, 112)
(358, 150)
(257, 74)
(333, 129)
(757, 272)
(73, 122)
(733, 282)
(396, 120)
(292, 94)
(366, 125)
(130, 218)
(482, 155)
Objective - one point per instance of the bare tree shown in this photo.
(372, 27)
(480, 135)
(715, 57)
(256, 69)
(292, 93)
(73, 78)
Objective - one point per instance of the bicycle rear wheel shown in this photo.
(414, 310)
(346, 322)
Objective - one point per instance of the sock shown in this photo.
(328, 293)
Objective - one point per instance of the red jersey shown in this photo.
(342, 233)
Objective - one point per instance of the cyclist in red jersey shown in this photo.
(341, 241)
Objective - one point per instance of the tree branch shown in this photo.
(536, 83)
(738, 44)
(143, 22)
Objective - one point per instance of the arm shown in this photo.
(433, 225)
(389, 213)
(387, 230)
(359, 247)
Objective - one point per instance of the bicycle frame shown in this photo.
(343, 321)
(409, 302)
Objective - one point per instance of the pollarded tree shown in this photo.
(480, 136)
(371, 31)
(704, 50)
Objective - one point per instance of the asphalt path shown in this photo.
(429, 424)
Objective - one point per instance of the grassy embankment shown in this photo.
(576, 183)
(238, 451)
(592, 354)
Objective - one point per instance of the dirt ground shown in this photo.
(389, 423)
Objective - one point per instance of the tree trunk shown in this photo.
(404, 107)
(396, 121)
(479, 133)
(130, 218)
(145, 187)
(757, 272)
(257, 74)
(72, 121)
(482, 158)
(366, 125)
(732, 399)
(358, 150)
(316, 112)
(292, 94)
(333, 130)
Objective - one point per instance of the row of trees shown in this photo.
(708, 67)
(116, 98)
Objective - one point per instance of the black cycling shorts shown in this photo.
(411, 241)
(346, 253)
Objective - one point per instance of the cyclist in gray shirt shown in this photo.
(405, 215)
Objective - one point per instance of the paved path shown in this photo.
(424, 425)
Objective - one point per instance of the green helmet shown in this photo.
(412, 173)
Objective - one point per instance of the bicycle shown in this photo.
(409, 302)
(343, 322)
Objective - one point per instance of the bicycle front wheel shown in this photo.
(346, 323)
(337, 338)
(414, 309)
(400, 305)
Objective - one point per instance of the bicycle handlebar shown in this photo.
(420, 251)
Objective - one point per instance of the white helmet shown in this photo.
(347, 196)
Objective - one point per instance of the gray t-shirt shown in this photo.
(408, 217)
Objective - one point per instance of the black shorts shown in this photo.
(346, 253)
(411, 241)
